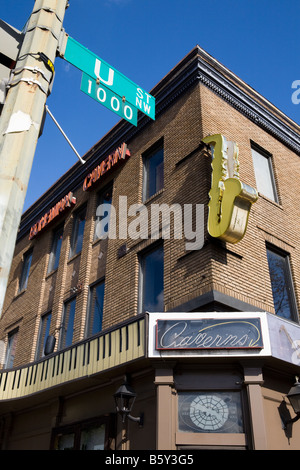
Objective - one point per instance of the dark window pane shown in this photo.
(44, 333)
(55, 250)
(68, 324)
(93, 438)
(153, 281)
(11, 349)
(154, 173)
(25, 271)
(282, 287)
(64, 442)
(103, 214)
(95, 314)
(85, 435)
(78, 231)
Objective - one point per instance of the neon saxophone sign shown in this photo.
(230, 199)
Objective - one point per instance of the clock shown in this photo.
(210, 412)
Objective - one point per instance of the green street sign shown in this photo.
(98, 69)
(110, 100)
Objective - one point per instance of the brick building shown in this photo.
(83, 310)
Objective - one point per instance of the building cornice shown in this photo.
(196, 67)
(248, 102)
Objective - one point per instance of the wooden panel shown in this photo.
(106, 351)
(207, 439)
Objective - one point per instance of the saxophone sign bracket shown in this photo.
(230, 199)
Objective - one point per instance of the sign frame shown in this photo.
(209, 334)
(153, 317)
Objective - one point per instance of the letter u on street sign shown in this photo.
(110, 100)
(92, 65)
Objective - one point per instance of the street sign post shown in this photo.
(110, 100)
(99, 70)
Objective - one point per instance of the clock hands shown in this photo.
(220, 416)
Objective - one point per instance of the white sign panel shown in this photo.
(208, 334)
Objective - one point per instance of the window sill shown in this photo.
(51, 273)
(154, 196)
(99, 240)
(20, 293)
(73, 257)
(276, 204)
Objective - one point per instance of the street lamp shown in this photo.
(294, 399)
(124, 399)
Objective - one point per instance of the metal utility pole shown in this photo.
(21, 119)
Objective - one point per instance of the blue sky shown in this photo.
(258, 40)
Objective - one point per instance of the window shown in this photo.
(263, 170)
(210, 412)
(96, 434)
(95, 309)
(153, 173)
(282, 284)
(67, 328)
(55, 249)
(11, 349)
(43, 334)
(25, 270)
(78, 231)
(152, 280)
(103, 214)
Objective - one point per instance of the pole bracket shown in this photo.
(63, 133)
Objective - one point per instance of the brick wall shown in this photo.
(248, 278)
(240, 270)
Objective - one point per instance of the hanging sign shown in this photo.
(230, 199)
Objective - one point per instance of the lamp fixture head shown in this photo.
(294, 396)
(294, 399)
(124, 399)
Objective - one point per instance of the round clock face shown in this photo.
(209, 412)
